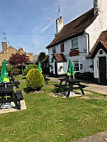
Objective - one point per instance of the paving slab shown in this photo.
(95, 87)
(13, 109)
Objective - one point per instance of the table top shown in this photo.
(8, 90)
(69, 80)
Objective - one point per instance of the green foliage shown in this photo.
(17, 58)
(15, 71)
(26, 70)
(9, 68)
(34, 79)
(41, 56)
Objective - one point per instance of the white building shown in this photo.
(84, 40)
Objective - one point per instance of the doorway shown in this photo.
(55, 68)
(102, 70)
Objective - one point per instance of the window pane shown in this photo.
(54, 50)
(76, 65)
(75, 43)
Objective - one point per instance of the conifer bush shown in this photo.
(34, 79)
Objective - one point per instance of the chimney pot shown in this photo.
(4, 46)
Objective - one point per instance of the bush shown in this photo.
(26, 70)
(9, 68)
(15, 71)
(34, 79)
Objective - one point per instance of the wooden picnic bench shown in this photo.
(46, 79)
(69, 85)
(8, 95)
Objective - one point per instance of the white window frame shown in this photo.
(74, 43)
(76, 65)
(53, 49)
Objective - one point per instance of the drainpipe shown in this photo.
(87, 34)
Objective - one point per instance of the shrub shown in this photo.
(9, 68)
(34, 79)
(15, 71)
(26, 70)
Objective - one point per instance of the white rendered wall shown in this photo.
(82, 42)
(96, 64)
(99, 25)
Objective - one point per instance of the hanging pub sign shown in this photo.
(101, 52)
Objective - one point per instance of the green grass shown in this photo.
(51, 119)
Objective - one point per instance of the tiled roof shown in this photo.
(59, 57)
(74, 28)
(101, 42)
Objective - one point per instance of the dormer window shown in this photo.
(74, 43)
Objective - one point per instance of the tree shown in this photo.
(41, 56)
(18, 59)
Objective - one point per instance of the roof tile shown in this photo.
(74, 28)
(101, 40)
(59, 57)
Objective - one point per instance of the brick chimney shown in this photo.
(59, 25)
(4, 46)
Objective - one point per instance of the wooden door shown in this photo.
(55, 68)
(102, 70)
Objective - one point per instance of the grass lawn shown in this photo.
(54, 119)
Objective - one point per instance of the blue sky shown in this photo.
(30, 24)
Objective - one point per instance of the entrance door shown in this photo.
(55, 68)
(102, 70)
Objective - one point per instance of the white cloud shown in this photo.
(46, 27)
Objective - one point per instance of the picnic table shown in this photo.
(69, 85)
(46, 79)
(7, 95)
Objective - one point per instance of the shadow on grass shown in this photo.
(30, 90)
(24, 77)
(16, 84)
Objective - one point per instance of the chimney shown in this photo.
(59, 25)
(99, 6)
(4, 46)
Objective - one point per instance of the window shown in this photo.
(74, 43)
(54, 49)
(62, 47)
(76, 65)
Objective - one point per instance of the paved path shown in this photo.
(88, 86)
(96, 88)
(13, 108)
(100, 137)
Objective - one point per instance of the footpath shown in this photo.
(88, 86)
